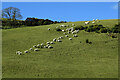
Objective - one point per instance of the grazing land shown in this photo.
(67, 59)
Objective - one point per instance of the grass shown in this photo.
(68, 59)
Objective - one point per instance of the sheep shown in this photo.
(70, 38)
(93, 22)
(59, 40)
(67, 25)
(48, 43)
(42, 44)
(51, 42)
(45, 47)
(48, 29)
(66, 35)
(54, 39)
(36, 49)
(38, 45)
(62, 26)
(63, 30)
(61, 37)
(50, 47)
(75, 35)
(73, 24)
(87, 22)
(30, 49)
(26, 51)
(19, 52)
(34, 46)
(68, 32)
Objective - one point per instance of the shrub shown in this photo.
(79, 27)
(58, 29)
(87, 41)
(103, 30)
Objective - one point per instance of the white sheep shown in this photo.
(38, 45)
(63, 30)
(19, 52)
(75, 35)
(48, 43)
(73, 24)
(51, 42)
(49, 29)
(30, 49)
(93, 22)
(26, 51)
(70, 38)
(61, 37)
(66, 35)
(87, 22)
(50, 47)
(54, 39)
(68, 32)
(45, 47)
(42, 44)
(59, 40)
(34, 46)
(36, 49)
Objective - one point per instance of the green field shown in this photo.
(67, 59)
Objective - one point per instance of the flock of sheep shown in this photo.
(59, 39)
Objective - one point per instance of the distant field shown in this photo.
(67, 59)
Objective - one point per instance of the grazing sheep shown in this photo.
(67, 25)
(42, 44)
(93, 22)
(50, 47)
(75, 35)
(45, 47)
(70, 38)
(30, 49)
(63, 30)
(19, 52)
(34, 46)
(54, 39)
(51, 42)
(87, 22)
(38, 45)
(61, 37)
(59, 40)
(62, 26)
(48, 43)
(66, 35)
(68, 32)
(36, 49)
(26, 51)
(48, 29)
(73, 24)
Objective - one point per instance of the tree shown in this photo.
(11, 13)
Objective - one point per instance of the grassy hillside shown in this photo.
(67, 59)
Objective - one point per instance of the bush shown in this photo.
(58, 29)
(87, 41)
(103, 30)
(79, 27)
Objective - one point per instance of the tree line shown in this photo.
(11, 19)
